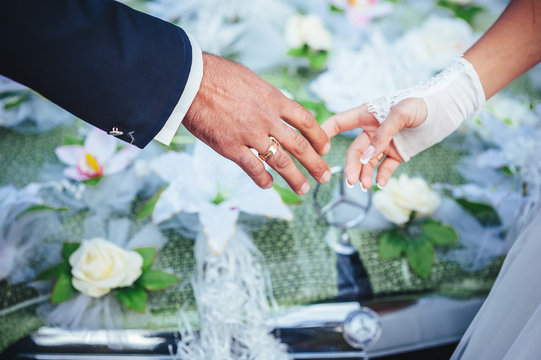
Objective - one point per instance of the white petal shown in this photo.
(171, 166)
(121, 159)
(252, 199)
(100, 145)
(167, 206)
(491, 158)
(74, 174)
(218, 224)
(214, 168)
(69, 154)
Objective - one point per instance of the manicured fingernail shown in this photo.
(326, 176)
(367, 155)
(305, 188)
(380, 186)
(326, 148)
(362, 187)
(350, 186)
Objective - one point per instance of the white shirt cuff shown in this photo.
(166, 134)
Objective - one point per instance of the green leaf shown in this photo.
(287, 195)
(150, 204)
(148, 254)
(485, 213)
(320, 111)
(154, 280)
(134, 298)
(420, 257)
(391, 244)
(301, 51)
(14, 99)
(69, 248)
(72, 140)
(92, 182)
(317, 60)
(53, 272)
(437, 233)
(39, 207)
(63, 289)
(466, 12)
(336, 9)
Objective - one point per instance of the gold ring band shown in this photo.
(271, 151)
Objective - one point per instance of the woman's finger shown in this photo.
(353, 165)
(367, 171)
(386, 170)
(358, 117)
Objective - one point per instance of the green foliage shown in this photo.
(392, 244)
(13, 99)
(437, 233)
(93, 182)
(318, 108)
(316, 58)
(287, 195)
(420, 255)
(465, 12)
(73, 140)
(419, 249)
(150, 204)
(53, 272)
(63, 290)
(41, 207)
(154, 280)
(335, 9)
(132, 297)
(485, 213)
(69, 248)
(148, 254)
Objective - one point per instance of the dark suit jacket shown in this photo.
(102, 61)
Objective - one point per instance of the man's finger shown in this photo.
(301, 149)
(303, 120)
(253, 167)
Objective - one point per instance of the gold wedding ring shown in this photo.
(380, 156)
(271, 151)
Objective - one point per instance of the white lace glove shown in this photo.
(451, 97)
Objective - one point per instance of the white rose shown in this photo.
(402, 196)
(307, 30)
(99, 266)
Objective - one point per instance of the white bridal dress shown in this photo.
(508, 325)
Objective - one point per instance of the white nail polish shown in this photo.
(362, 187)
(380, 187)
(367, 155)
(350, 186)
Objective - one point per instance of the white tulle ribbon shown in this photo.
(234, 298)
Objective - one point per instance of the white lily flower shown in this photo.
(216, 188)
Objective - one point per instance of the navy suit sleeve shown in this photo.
(102, 61)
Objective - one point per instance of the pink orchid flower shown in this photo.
(97, 157)
(361, 12)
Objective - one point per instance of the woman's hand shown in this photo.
(376, 140)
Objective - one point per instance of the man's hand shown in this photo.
(235, 110)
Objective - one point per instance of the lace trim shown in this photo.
(381, 107)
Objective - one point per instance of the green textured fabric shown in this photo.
(301, 264)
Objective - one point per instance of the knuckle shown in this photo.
(307, 119)
(252, 166)
(379, 137)
(300, 144)
(281, 160)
